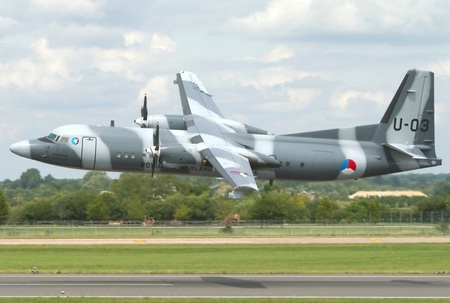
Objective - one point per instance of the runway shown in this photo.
(226, 286)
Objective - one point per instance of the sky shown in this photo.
(282, 65)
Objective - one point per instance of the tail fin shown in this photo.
(408, 124)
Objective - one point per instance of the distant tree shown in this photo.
(441, 189)
(5, 208)
(183, 212)
(94, 180)
(97, 210)
(274, 205)
(135, 210)
(355, 212)
(31, 178)
(38, 210)
(325, 209)
(374, 209)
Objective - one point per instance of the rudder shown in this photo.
(408, 124)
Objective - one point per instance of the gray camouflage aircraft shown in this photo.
(203, 142)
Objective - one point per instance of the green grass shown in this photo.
(262, 300)
(222, 259)
(214, 231)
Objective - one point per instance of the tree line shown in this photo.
(97, 197)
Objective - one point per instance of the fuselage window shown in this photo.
(119, 155)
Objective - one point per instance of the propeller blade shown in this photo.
(144, 110)
(156, 143)
(155, 159)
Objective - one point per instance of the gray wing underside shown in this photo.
(202, 118)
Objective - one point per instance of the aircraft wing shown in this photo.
(195, 99)
(234, 168)
(203, 121)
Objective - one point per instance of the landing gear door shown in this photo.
(88, 152)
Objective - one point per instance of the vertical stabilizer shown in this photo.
(408, 124)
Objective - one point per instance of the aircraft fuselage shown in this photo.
(333, 155)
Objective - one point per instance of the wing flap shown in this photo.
(234, 168)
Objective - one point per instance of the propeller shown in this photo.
(144, 112)
(156, 154)
(154, 150)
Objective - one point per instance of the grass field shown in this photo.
(222, 259)
(214, 231)
(259, 300)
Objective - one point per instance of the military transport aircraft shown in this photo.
(203, 142)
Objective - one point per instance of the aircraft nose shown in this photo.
(21, 148)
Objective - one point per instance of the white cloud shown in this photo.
(315, 17)
(156, 89)
(273, 76)
(46, 71)
(441, 68)
(293, 100)
(163, 43)
(88, 9)
(342, 101)
(278, 53)
(306, 15)
(134, 38)
(7, 22)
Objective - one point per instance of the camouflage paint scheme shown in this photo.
(202, 142)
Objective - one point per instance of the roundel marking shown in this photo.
(348, 167)
(75, 140)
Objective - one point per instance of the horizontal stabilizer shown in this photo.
(408, 150)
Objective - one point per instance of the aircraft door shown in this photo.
(88, 152)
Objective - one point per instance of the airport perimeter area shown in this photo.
(212, 233)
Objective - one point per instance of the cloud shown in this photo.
(87, 9)
(327, 19)
(292, 100)
(268, 77)
(278, 53)
(163, 43)
(7, 22)
(156, 89)
(288, 15)
(50, 69)
(134, 38)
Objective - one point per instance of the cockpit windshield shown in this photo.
(52, 137)
(57, 138)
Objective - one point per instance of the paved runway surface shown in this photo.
(203, 286)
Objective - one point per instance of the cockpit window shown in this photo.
(52, 137)
(57, 138)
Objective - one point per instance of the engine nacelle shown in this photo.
(177, 122)
(165, 122)
(179, 155)
(244, 128)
